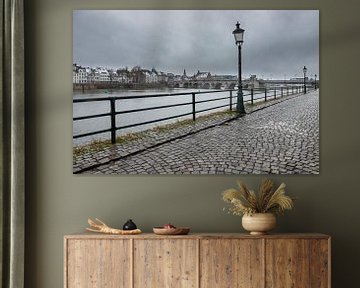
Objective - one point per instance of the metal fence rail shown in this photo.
(269, 93)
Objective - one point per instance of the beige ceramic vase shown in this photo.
(259, 223)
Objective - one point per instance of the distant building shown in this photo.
(104, 75)
(202, 75)
(162, 77)
(184, 77)
(252, 82)
(79, 74)
(170, 78)
(123, 76)
(151, 76)
(93, 76)
(138, 75)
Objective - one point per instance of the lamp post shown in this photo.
(304, 70)
(239, 40)
(315, 82)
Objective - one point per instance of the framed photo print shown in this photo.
(196, 91)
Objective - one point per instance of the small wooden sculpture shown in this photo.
(101, 227)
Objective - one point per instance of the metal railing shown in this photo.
(269, 93)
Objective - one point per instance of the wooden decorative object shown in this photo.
(171, 231)
(197, 261)
(101, 227)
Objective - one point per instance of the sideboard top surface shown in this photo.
(87, 235)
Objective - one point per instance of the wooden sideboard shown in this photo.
(197, 260)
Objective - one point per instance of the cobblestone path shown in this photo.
(280, 139)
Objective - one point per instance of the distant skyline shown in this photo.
(277, 43)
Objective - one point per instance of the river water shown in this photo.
(89, 108)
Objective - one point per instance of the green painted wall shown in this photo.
(59, 203)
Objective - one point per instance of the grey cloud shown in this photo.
(277, 43)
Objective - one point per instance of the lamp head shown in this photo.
(238, 34)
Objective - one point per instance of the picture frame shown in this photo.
(122, 106)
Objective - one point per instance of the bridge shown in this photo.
(209, 83)
(217, 82)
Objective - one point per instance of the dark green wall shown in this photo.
(59, 203)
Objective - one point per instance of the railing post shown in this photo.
(275, 93)
(113, 120)
(193, 106)
(230, 100)
(252, 96)
(265, 95)
(282, 88)
(287, 91)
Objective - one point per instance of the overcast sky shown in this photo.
(277, 43)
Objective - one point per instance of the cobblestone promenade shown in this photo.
(280, 139)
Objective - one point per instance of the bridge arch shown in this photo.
(217, 85)
(231, 86)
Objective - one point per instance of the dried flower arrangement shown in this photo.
(268, 200)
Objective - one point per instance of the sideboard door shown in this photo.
(287, 263)
(231, 263)
(98, 263)
(297, 263)
(170, 263)
(320, 263)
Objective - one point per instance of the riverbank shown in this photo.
(117, 86)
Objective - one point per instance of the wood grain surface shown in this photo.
(165, 263)
(287, 263)
(98, 263)
(229, 263)
(197, 260)
(319, 263)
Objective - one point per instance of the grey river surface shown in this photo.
(98, 107)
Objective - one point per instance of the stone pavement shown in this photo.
(155, 137)
(279, 139)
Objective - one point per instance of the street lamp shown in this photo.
(239, 40)
(304, 70)
(315, 82)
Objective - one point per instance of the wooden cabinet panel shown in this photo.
(287, 263)
(319, 263)
(231, 263)
(98, 263)
(165, 263)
